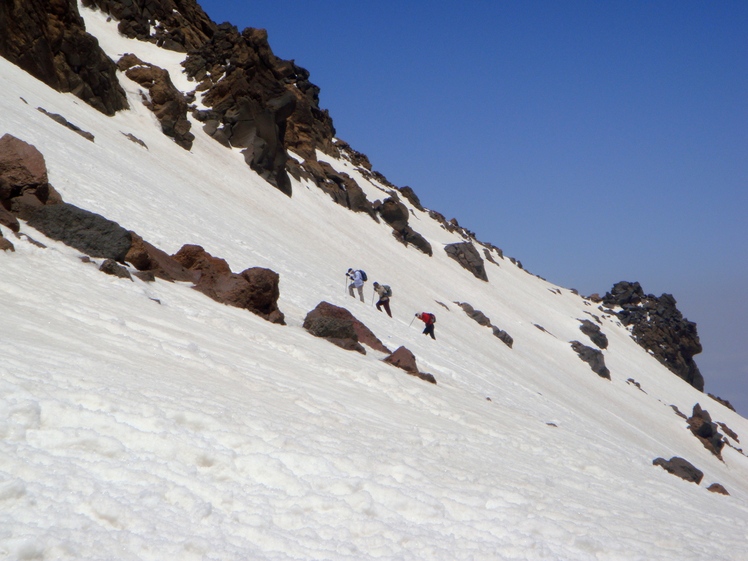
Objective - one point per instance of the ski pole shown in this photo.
(411, 321)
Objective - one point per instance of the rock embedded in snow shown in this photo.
(333, 322)
(680, 467)
(467, 256)
(701, 425)
(593, 357)
(404, 359)
(594, 333)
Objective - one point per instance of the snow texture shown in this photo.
(144, 421)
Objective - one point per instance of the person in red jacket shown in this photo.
(429, 319)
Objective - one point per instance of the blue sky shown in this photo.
(593, 141)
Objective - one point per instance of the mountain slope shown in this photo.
(145, 421)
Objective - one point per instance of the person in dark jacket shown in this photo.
(429, 319)
(384, 292)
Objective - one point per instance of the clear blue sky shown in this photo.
(593, 141)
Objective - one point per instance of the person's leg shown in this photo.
(361, 293)
(386, 305)
(350, 290)
(379, 305)
(430, 330)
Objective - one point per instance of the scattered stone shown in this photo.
(132, 138)
(405, 360)
(718, 488)
(637, 384)
(722, 401)
(680, 467)
(111, 267)
(678, 412)
(65, 123)
(593, 357)
(503, 336)
(6, 244)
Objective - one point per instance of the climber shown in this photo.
(357, 278)
(429, 319)
(385, 293)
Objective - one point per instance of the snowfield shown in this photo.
(144, 421)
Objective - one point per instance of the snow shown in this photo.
(143, 421)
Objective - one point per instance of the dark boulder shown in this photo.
(658, 326)
(409, 194)
(469, 258)
(86, 231)
(111, 267)
(342, 317)
(592, 331)
(503, 336)
(680, 467)
(701, 425)
(5, 244)
(22, 166)
(49, 41)
(593, 357)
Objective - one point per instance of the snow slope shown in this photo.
(145, 421)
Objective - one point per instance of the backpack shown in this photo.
(387, 291)
(363, 275)
(429, 315)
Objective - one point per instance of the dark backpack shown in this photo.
(363, 275)
(387, 291)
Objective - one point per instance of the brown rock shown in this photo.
(21, 166)
(145, 257)
(717, 488)
(328, 320)
(5, 244)
(404, 359)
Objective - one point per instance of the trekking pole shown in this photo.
(372, 299)
(411, 321)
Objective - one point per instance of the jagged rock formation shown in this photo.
(259, 102)
(49, 41)
(67, 124)
(680, 467)
(593, 357)
(164, 99)
(658, 326)
(467, 256)
(177, 25)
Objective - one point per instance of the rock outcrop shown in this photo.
(164, 99)
(658, 326)
(177, 25)
(481, 318)
(48, 39)
(396, 214)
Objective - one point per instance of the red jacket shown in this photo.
(427, 318)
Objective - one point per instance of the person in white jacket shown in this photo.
(357, 282)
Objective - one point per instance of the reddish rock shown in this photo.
(5, 245)
(256, 289)
(363, 334)
(21, 166)
(145, 257)
(404, 359)
(8, 220)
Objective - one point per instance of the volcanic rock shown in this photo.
(148, 258)
(680, 467)
(593, 357)
(86, 231)
(405, 360)
(320, 323)
(49, 41)
(467, 256)
(659, 327)
(592, 330)
(701, 425)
